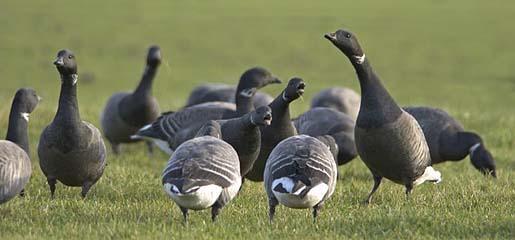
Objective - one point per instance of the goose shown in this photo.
(70, 150)
(389, 140)
(301, 173)
(448, 140)
(261, 77)
(280, 128)
(321, 121)
(173, 128)
(125, 113)
(341, 99)
(204, 172)
(244, 136)
(15, 166)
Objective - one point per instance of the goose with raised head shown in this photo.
(448, 140)
(341, 99)
(301, 173)
(321, 121)
(203, 172)
(389, 140)
(15, 166)
(70, 150)
(226, 93)
(280, 128)
(125, 113)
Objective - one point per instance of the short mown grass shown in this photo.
(456, 55)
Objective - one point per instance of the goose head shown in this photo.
(294, 90)
(262, 116)
(254, 79)
(154, 56)
(66, 65)
(483, 160)
(26, 99)
(347, 42)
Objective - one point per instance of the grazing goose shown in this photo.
(203, 172)
(389, 140)
(447, 139)
(259, 77)
(125, 113)
(341, 99)
(174, 128)
(15, 166)
(301, 173)
(70, 150)
(280, 128)
(244, 136)
(327, 121)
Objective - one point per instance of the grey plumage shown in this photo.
(341, 99)
(320, 121)
(70, 150)
(448, 140)
(300, 173)
(280, 128)
(389, 140)
(203, 172)
(125, 113)
(15, 165)
(222, 93)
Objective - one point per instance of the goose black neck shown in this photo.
(17, 130)
(244, 104)
(68, 109)
(468, 139)
(280, 111)
(377, 106)
(247, 122)
(145, 85)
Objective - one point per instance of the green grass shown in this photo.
(457, 55)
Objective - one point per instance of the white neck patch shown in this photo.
(75, 78)
(284, 97)
(360, 59)
(249, 92)
(25, 116)
(474, 148)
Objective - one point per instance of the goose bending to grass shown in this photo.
(203, 172)
(125, 113)
(70, 150)
(448, 140)
(389, 140)
(226, 93)
(301, 173)
(341, 99)
(280, 128)
(321, 121)
(15, 166)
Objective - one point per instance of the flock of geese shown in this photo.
(227, 134)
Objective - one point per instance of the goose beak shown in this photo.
(39, 98)
(268, 119)
(330, 36)
(59, 62)
(276, 80)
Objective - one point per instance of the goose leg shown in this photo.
(409, 189)
(22, 193)
(85, 189)
(272, 203)
(51, 183)
(316, 209)
(215, 210)
(184, 214)
(150, 147)
(377, 182)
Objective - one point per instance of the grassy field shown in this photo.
(456, 55)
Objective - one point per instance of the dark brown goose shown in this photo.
(341, 99)
(15, 166)
(125, 113)
(70, 150)
(389, 140)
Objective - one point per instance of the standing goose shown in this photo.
(125, 113)
(301, 173)
(448, 140)
(70, 150)
(280, 128)
(226, 93)
(321, 121)
(203, 172)
(389, 140)
(15, 166)
(341, 99)
(244, 136)
(174, 128)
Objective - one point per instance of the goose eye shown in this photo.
(347, 35)
(70, 57)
